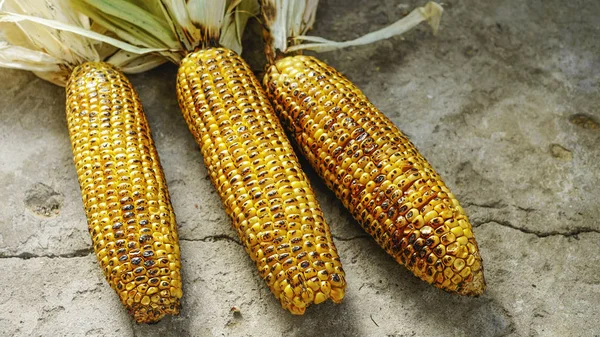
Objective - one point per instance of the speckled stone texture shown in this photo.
(503, 103)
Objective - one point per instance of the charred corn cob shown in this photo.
(259, 179)
(124, 192)
(378, 174)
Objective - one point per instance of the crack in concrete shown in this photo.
(494, 204)
(499, 205)
(87, 251)
(223, 237)
(213, 238)
(541, 234)
(526, 209)
(26, 255)
(351, 238)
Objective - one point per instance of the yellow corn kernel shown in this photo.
(123, 185)
(251, 163)
(337, 294)
(457, 231)
(320, 298)
(462, 240)
(375, 157)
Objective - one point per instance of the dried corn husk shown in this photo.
(288, 30)
(175, 26)
(50, 39)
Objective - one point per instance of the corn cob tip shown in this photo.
(475, 287)
(149, 314)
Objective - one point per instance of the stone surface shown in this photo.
(503, 102)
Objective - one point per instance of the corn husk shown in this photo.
(175, 26)
(287, 22)
(50, 39)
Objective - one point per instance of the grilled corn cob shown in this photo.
(259, 179)
(378, 174)
(124, 192)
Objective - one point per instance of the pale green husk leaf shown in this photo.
(239, 13)
(293, 19)
(139, 23)
(50, 39)
(180, 26)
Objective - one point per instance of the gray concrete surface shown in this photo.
(503, 102)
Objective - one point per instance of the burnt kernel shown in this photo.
(413, 259)
(412, 238)
(148, 253)
(418, 244)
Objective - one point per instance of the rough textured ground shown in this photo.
(503, 102)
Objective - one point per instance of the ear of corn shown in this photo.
(124, 192)
(379, 175)
(259, 179)
(126, 201)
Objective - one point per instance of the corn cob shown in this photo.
(124, 192)
(378, 174)
(259, 179)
